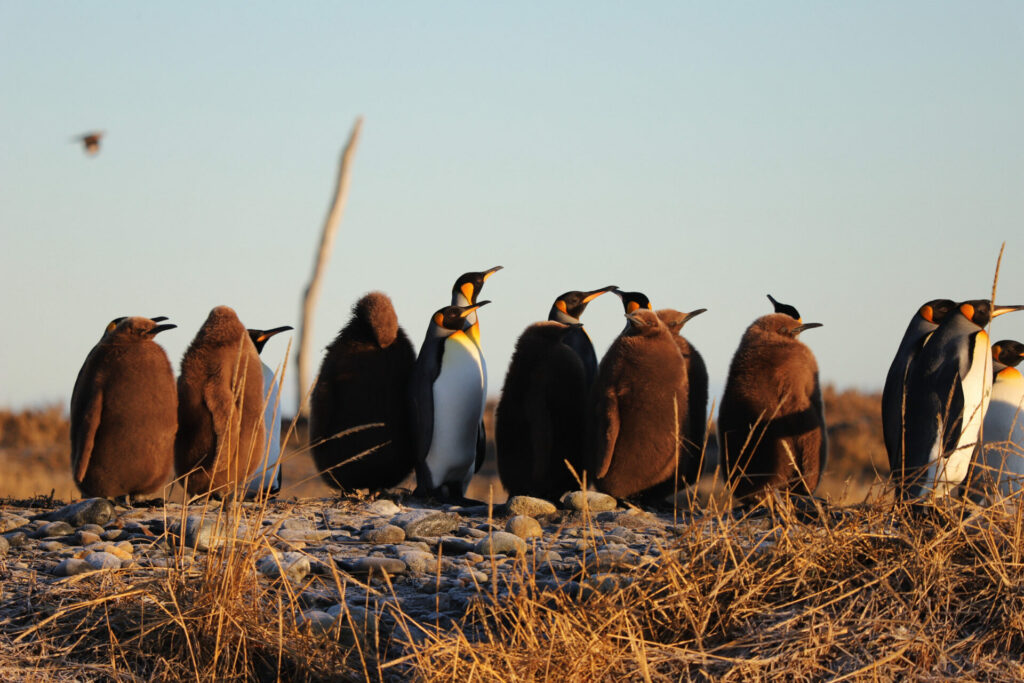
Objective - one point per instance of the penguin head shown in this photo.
(129, 330)
(785, 309)
(981, 311)
(260, 337)
(1008, 352)
(451, 319)
(570, 306)
(643, 322)
(782, 325)
(221, 326)
(467, 288)
(936, 310)
(632, 301)
(674, 320)
(376, 314)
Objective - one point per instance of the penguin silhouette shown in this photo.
(267, 477)
(220, 438)
(694, 428)
(568, 309)
(639, 401)
(90, 142)
(539, 421)
(123, 412)
(772, 419)
(364, 379)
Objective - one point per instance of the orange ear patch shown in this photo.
(560, 305)
(438, 319)
(967, 310)
(928, 313)
(467, 290)
(632, 306)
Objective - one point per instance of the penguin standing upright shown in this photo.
(220, 438)
(124, 412)
(539, 419)
(364, 380)
(785, 309)
(694, 428)
(999, 464)
(568, 309)
(638, 401)
(267, 477)
(447, 392)
(925, 321)
(947, 393)
(771, 424)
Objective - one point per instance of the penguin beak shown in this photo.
(806, 326)
(999, 310)
(159, 318)
(161, 328)
(590, 296)
(492, 271)
(634, 319)
(694, 314)
(267, 334)
(469, 309)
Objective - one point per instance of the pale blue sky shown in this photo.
(853, 159)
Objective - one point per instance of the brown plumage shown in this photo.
(220, 437)
(772, 422)
(123, 413)
(693, 430)
(91, 142)
(638, 405)
(364, 379)
(539, 419)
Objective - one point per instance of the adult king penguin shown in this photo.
(694, 428)
(123, 412)
(771, 423)
(364, 379)
(220, 438)
(947, 393)
(568, 309)
(925, 321)
(999, 466)
(639, 402)
(539, 420)
(447, 393)
(267, 477)
(785, 309)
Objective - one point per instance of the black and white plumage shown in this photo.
(267, 477)
(999, 465)
(568, 309)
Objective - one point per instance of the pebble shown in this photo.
(418, 561)
(467, 577)
(4, 545)
(51, 546)
(300, 535)
(389, 533)
(427, 522)
(501, 542)
(15, 539)
(10, 521)
(372, 565)
(89, 511)
(316, 621)
(455, 545)
(593, 500)
(545, 556)
(474, 558)
(611, 557)
(523, 526)
(203, 532)
(383, 507)
(72, 566)
(294, 566)
(112, 534)
(103, 560)
(86, 537)
(527, 505)
(53, 529)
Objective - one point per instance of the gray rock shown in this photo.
(4, 546)
(474, 557)
(593, 500)
(427, 522)
(52, 546)
(524, 527)
(15, 539)
(10, 521)
(454, 545)
(72, 566)
(623, 532)
(112, 534)
(203, 532)
(469, 577)
(612, 557)
(527, 505)
(470, 532)
(304, 535)
(92, 528)
(630, 519)
(298, 523)
(52, 529)
(383, 507)
(293, 566)
(501, 542)
(316, 621)
(88, 511)
(372, 565)
(389, 533)
(603, 583)
(546, 556)
(104, 561)
(418, 561)
(86, 537)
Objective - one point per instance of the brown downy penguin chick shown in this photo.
(539, 419)
(124, 413)
(90, 142)
(364, 379)
(220, 407)
(772, 421)
(639, 404)
(694, 430)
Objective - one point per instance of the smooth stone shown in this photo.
(92, 529)
(86, 537)
(623, 532)
(203, 533)
(4, 545)
(592, 500)
(427, 522)
(389, 533)
(112, 534)
(300, 535)
(611, 558)
(15, 539)
(104, 560)
(630, 519)
(530, 506)
(545, 556)
(51, 529)
(612, 539)
(603, 583)
(501, 542)
(524, 526)
(72, 566)
(294, 566)
(10, 521)
(470, 532)
(89, 511)
(52, 546)
(372, 565)
(474, 557)
(418, 561)
(316, 621)
(383, 507)
(469, 577)
(455, 545)
(297, 523)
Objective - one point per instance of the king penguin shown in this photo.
(364, 379)
(999, 465)
(694, 429)
(947, 393)
(124, 412)
(639, 401)
(785, 309)
(771, 425)
(925, 321)
(220, 438)
(266, 480)
(539, 420)
(447, 392)
(568, 309)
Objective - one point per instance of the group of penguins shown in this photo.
(634, 425)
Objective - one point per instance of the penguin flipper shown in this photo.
(953, 424)
(421, 402)
(818, 406)
(481, 447)
(608, 408)
(220, 405)
(81, 455)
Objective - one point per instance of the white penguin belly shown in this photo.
(459, 392)
(268, 473)
(1002, 459)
